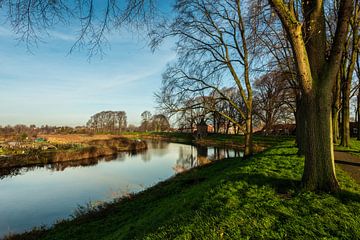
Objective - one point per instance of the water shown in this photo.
(42, 195)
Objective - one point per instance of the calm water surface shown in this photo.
(37, 196)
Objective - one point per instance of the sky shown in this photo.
(50, 86)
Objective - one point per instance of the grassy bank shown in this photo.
(257, 198)
(217, 140)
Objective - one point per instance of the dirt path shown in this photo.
(349, 163)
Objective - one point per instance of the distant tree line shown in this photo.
(21, 132)
(108, 121)
(112, 122)
(156, 123)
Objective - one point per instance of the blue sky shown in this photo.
(49, 86)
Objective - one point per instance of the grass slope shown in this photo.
(257, 198)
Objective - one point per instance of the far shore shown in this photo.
(70, 150)
(73, 147)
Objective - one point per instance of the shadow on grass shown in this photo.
(347, 151)
(281, 155)
(348, 163)
(347, 196)
(280, 185)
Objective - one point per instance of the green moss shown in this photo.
(257, 198)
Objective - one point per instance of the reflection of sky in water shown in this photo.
(41, 195)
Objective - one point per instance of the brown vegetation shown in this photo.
(85, 147)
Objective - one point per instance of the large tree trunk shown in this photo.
(336, 109)
(248, 151)
(319, 169)
(345, 112)
(347, 74)
(300, 125)
(358, 115)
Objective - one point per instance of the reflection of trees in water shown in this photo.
(158, 148)
(11, 172)
(221, 153)
(202, 155)
(186, 158)
(191, 156)
(61, 166)
(146, 156)
(158, 144)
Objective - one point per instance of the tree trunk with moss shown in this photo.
(319, 170)
(317, 72)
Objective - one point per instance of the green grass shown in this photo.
(354, 147)
(256, 198)
(258, 139)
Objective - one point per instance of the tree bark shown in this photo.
(358, 115)
(345, 114)
(319, 169)
(347, 75)
(248, 151)
(300, 125)
(317, 73)
(336, 109)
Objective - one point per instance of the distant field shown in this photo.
(75, 138)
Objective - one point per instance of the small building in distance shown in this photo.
(201, 129)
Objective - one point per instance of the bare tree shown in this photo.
(160, 123)
(31, 20)
(272, 99)
(145, 121)
(214, 52)
(110, 121)
(346, 73)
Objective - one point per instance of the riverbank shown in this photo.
(214, 140)
(257, 198)
(72, 151)
(73, 147)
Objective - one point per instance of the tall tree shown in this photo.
(112, 121)
(272, 98)
(347, 69)
(214, 50)
(145, 121)
(317, 69)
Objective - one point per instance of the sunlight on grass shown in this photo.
(257, 198)
(354, 147)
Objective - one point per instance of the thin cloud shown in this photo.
(62, 36)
